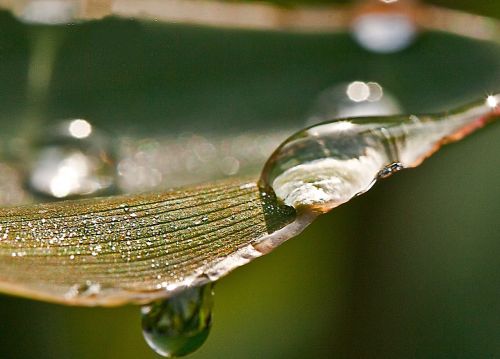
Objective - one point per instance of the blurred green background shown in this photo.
(410, 269)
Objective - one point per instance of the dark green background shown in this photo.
(411, 269)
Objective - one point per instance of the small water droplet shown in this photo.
(72, 159)
(385, 28)
(86, 289)
(179, 325)
(390, 170)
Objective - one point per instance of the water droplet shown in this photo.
(72, 160)
(328, 164)
(87, 289)
(352, 99)
(390, 170)
(179, 325)
(385, 27)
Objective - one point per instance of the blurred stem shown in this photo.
(45, 43)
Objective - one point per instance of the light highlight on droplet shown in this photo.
(492, 101)
(376, 92)
(358, 91)
(80, 128)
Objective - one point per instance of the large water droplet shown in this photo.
(328, 164)
(352, 99)
(179, 325)
(72, 160)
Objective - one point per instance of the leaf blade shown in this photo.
(133, 249)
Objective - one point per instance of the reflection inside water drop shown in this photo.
(179, 325)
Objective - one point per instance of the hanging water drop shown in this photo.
(179, 325)
(72, 159)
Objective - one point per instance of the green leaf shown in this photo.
(134, 249)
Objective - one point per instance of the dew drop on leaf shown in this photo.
(73, 159)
